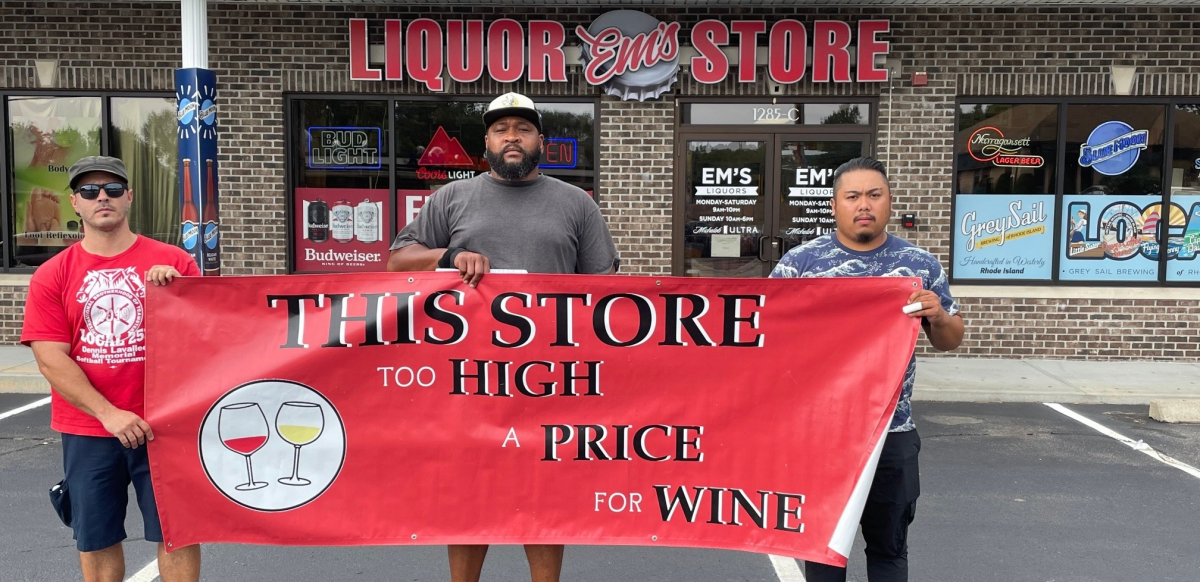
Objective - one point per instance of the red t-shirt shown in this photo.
(98, 305)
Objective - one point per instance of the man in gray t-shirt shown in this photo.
(509, 218)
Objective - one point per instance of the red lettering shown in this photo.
(600, 52)
(427, 174)
(393, 61)
(360, 70)
(546, 58)
(424, 48)
(711, 66)
(464, 52)
(831, 41)
(788, 52)
(506, 50)
(632, 53)
(627, 53)
(748, 31)
(868, 47)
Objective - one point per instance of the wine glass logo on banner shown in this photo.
(272, 445)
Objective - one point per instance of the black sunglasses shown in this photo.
(92, 191)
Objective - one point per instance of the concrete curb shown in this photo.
(1175, 410)
(23, 384)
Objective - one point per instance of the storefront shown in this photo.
(1049, 155)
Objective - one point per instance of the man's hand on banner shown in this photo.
(128, 427)
(161, 274)
(944, 331)
(472, 266)
(931, 306)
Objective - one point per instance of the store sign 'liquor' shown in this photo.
(631, 54)
(344, 148)
(988, 144)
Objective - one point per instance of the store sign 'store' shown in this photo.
(631, 54)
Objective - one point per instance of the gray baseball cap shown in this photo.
(96, 164)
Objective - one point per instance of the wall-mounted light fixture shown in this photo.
(47, 72)
(1123, 78)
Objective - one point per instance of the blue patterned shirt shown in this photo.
(826, 256)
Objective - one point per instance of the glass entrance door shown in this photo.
(726, 207)
(748, 198)
(806, 186)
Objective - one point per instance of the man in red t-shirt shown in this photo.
(84, 319)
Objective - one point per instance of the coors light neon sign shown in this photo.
(630, 53)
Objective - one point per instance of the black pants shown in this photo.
(891, 506)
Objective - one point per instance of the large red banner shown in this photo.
(412, 409)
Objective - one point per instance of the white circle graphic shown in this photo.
(112, 313)
(272, 445)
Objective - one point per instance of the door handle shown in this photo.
(776, 248)
(762, 244)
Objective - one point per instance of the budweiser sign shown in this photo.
(631, 54)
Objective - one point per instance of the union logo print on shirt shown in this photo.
(113, 315)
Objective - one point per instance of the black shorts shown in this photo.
(98, 473)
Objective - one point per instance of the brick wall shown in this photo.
(1091, 329)
(636, 178)
(262, 51)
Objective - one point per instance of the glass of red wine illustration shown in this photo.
(299, 423)
(243, 429)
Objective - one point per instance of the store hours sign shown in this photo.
(629, 53)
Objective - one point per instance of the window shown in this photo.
(341, 186)
(1067, 190)
(1004, 184)
(342, 166)
(1113, 193)
(47, 134)
(145, 136)
(1183, 236)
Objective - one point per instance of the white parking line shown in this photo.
(1135, 445)
(29, 406)
(787, 569)
(147, 574)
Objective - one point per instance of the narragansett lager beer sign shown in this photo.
(631, 54)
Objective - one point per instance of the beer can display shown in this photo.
(318, 221)
(366, 221)
(341, 222)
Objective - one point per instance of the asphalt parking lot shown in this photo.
(1011, 492)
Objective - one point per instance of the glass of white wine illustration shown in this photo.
(243, 429)
(299, 423)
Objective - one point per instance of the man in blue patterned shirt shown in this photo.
(861, 247)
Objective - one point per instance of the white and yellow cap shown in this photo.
(510, 104)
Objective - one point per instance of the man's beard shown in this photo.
(864, 237)
(513, 171)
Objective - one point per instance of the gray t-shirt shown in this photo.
(542, 226)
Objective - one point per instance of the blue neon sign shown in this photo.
(560, 153)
